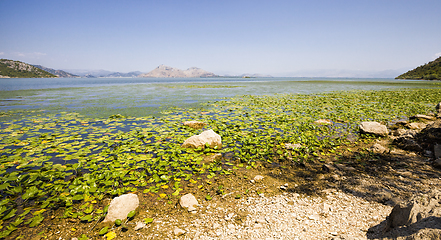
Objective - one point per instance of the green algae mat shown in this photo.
(71, 162)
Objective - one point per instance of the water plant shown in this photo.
(71, 162)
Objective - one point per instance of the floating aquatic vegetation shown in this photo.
(72, 162)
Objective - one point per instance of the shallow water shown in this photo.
(102, 97)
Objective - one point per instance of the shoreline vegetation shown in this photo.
(428, 71)
(62, 169)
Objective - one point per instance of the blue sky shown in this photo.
(281, 38)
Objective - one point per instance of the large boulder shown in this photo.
(418, 218)
(121, 206)
(207, 137)
(374, 128)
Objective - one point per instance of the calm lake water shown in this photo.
(102, 97)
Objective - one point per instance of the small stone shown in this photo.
(258, 178)
(343, 167)
(216, 225)
(189, 201)
(208, 137)
(333, 233)
(329, 168)
(139, 225)
(258, 226)
(229, 216)
(261, 220)
(178, 232)
(120, 206)
(377, 148)
(374, 128)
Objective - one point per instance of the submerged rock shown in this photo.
(374, 128)
(121, 206)
(323, 122)
(293, 146)
(194, 124)
(208, 137)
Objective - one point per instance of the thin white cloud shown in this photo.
(2, 53)
(437, 55)
(29, 55)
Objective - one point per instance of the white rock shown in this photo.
(121, 206)
(178, 232)
(258, 178)
(206, 137)
(139, 225)
(323, 121)
(189, 201)
(374, 128)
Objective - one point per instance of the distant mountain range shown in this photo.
(102, 73)
(163, 71)
(428, 71)
(58, 73)
(17, 69)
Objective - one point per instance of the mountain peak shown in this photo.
(163, 71)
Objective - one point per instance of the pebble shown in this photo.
(258, 178)
(178, 232)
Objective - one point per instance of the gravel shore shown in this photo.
(337, 215)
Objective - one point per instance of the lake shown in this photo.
(102, 97)
(62, 144)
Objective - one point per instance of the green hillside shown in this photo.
(17, 69)
(428, 71)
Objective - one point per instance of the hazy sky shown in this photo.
(276, 37)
